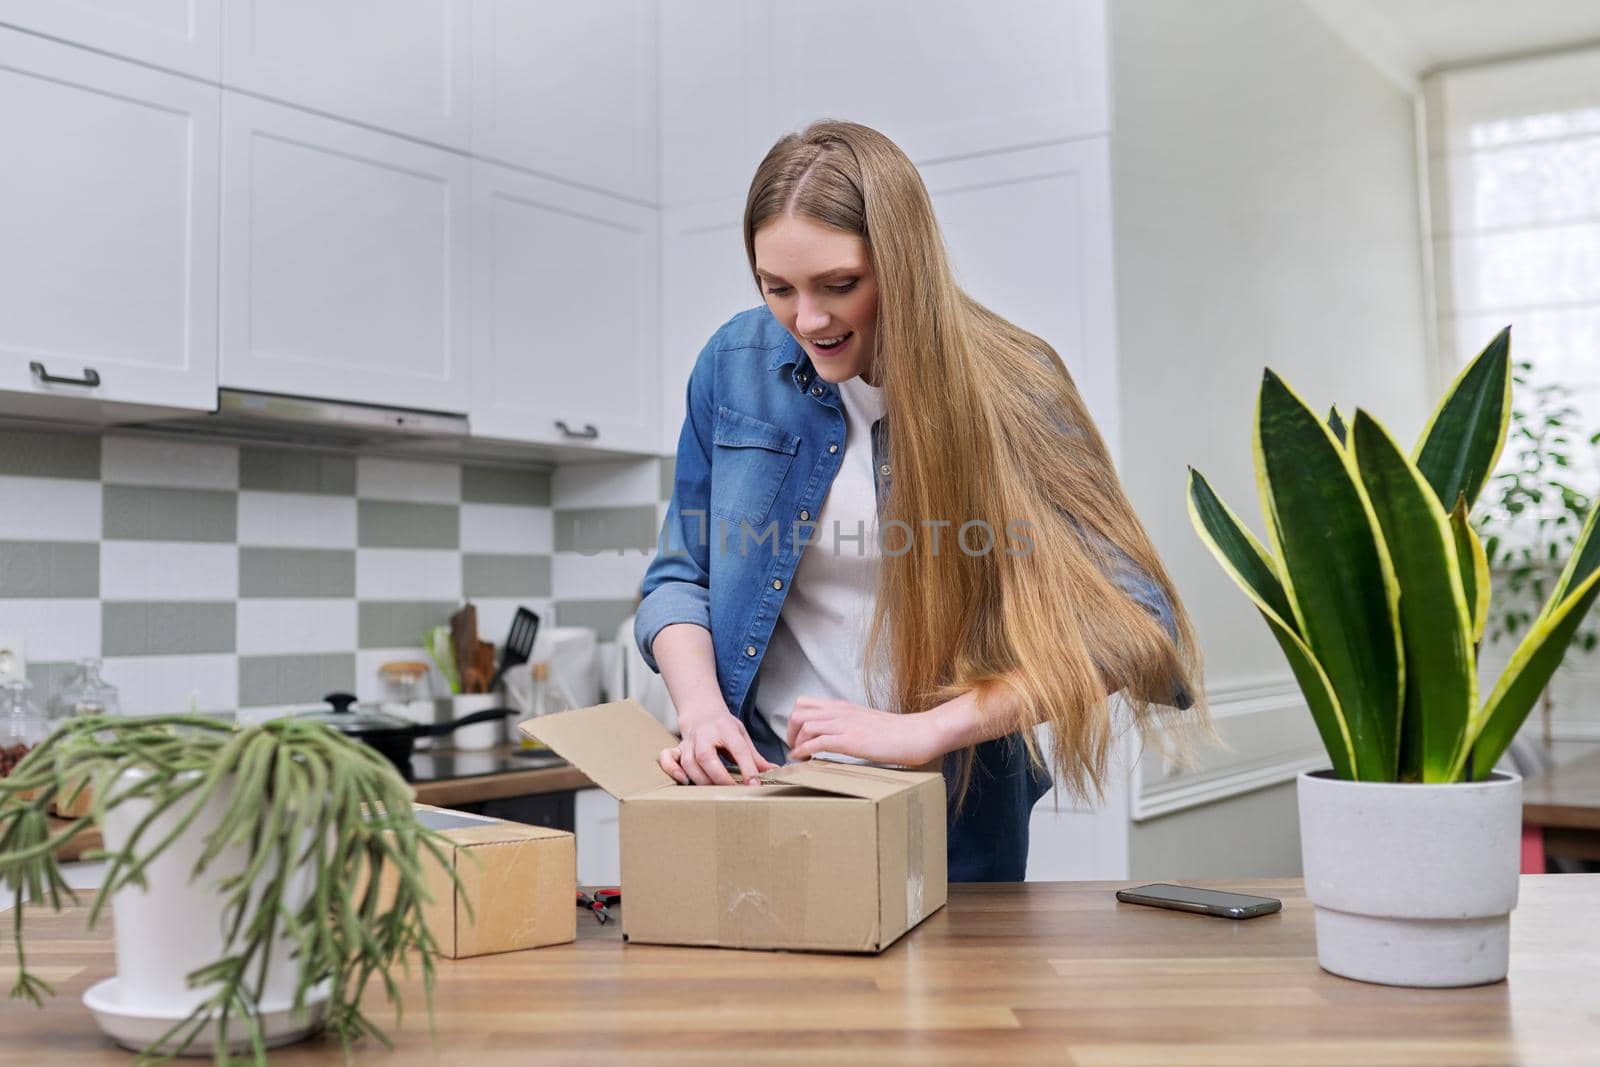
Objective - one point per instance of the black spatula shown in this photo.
(518, 646)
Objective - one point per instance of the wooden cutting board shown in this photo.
(74, 849)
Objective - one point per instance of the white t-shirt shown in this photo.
(819, 641)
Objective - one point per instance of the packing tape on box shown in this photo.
(914, 878)
(763, 886)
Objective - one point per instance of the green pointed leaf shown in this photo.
(1530, 670)
(1463, 440)
(1474, 566)
(1335, 571)
(1248, 564)
(1336, 424)
(1441, 690)
(1585, 558)
(1240, 553)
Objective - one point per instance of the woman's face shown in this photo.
(818, 282)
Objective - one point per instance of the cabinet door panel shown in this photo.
(976, 78)
(108, 221)
(569, 91)
(344, 261)
(401, 65)
(180, 35)
(564, 314)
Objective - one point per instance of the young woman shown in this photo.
(895, 534)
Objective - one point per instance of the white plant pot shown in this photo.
(1413, 885)
(175, 925)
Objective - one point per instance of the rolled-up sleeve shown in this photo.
(677, 584)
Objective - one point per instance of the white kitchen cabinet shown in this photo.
(180, 35)
(344, 261)
(597, 823)
(108, 226)
(569, 91)
(400, 65)
(564, 320)
(967, 78)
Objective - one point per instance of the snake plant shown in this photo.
(296, 796)
(1377, 586)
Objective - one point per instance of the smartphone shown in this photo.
(1203, 901)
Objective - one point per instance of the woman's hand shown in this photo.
(698, 759)
(817, 725)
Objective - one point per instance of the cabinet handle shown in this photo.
(588, 433)
(90, 379)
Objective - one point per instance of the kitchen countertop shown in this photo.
(1031, 973)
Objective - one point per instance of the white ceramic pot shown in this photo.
(479, 735)
(175, 924)
(1413, 885)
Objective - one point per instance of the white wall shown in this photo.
(1265, 212)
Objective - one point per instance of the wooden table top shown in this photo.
(1015, 974)
(1567, 795)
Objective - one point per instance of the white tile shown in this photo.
(606, 576)
(55, 630)
(163, 570)
(284, 627)
(49, 509)
(495, 614)
(378, 478)
(296, 520)
(507, 528)
(154, 461)
(369, 684)
(606, 484)
(174, 685)
(408, 574)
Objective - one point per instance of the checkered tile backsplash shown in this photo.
(224, 577)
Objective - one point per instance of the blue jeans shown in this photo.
(987, 839)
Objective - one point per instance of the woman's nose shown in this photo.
(810, 319)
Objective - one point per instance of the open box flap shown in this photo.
(615, 744)
(845, 779)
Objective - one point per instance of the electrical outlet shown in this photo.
(13, 657)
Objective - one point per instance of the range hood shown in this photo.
(296, 420)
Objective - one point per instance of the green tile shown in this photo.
(505, 485)
(47, 679)
(161, 628)
(487, 575)
(142, 513)
(392, 524)
(49, 569)
(290, 471)
(35, 454)
(400, 624)
(601, 616)
(669, 471)
(297, 572)
(594, 530)
(270, 680)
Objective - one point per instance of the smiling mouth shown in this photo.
(835, 346)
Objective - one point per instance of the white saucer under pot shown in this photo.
(135, 1028)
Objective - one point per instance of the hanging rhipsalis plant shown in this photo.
(1377, 586)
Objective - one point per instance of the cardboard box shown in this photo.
(832, 857)
(519, 878)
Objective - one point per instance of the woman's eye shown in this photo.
(845, 288)
(778, 290)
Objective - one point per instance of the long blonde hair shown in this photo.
(999, 436)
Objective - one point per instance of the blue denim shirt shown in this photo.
(763, 438)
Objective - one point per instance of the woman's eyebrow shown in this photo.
(816, 277)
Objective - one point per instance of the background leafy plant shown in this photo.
(1377, 585)
(297, 793)
(1533, 515)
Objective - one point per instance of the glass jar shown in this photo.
(86, 693)
(22, 724)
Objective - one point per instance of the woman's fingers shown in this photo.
(668, 759)
(706, 754)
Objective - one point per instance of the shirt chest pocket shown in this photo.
(750, 460)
